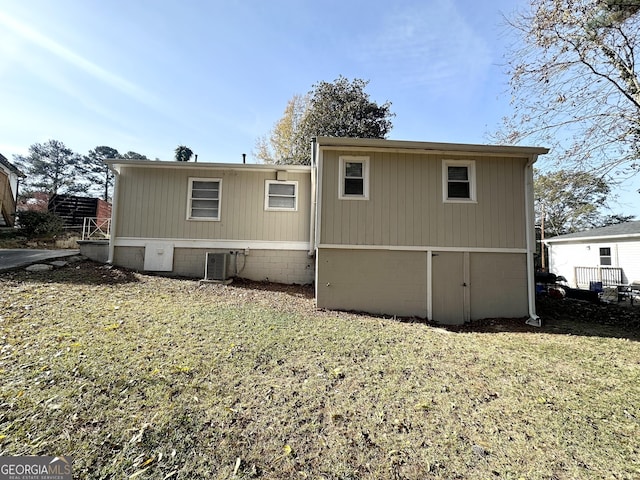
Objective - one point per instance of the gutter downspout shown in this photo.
(533, 319)
(114, 214)
(312, 213)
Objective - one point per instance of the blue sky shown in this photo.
(148, 75)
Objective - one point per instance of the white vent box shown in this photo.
(158, 257)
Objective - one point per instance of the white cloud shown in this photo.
(429, 45)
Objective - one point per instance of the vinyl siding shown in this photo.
(374, 281)
(564, 257)
(405, 206)
(465, 286)
(498, 285)
(153, 204)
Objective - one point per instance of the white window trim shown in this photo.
(365, 174)
(189, 199)
(280, 209)
(471, 166)
(610, 257)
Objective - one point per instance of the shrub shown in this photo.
(34, 224)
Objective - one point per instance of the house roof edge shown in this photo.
(114, 162)
(10, 166)
(624, 230)
(338, 142)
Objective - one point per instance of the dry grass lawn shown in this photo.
(145, 377)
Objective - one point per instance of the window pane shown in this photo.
(353, 186)
(282, 202)
(204, 204)
(353, 169)
(605, 260)
(204, 194)
(458, 190)
(197, 185)
(282, 189)
(205, 199)
(605, 251)
(458, 173)
(204, 212)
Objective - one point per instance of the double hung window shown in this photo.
(605, 256)
(458, 181)
(354, 178)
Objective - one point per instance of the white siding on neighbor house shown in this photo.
(629, 260)
(565, 257)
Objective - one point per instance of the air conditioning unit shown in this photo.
(216, 267)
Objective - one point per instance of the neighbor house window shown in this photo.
(354, 178)
(204, 199)
(605, 256)
(281, 195)
(459, 181)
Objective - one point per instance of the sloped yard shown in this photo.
(138, 376)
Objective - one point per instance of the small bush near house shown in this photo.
(35, 224)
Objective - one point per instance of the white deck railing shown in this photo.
(604, 275)
(96, 228)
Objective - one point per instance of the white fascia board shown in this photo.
(372, 144)
(118, 163)
(604, 238)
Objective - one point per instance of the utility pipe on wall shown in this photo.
(312, 214)
(533, 319)
(114, 214)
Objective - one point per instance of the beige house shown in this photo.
(167, 216)
(437, 231)
(9, 182)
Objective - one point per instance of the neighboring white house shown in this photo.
(610, 255)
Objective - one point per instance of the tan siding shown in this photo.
(405, 207)
(498, 285)
(374, 281)
(155, 202)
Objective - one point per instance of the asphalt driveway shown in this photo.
(10, 259)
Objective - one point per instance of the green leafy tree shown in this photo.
(97, 172)
(183, 154)
(334, 109)
(134, 156)
(568, 202)
(575, 82)
(51, 167)
(344, 109)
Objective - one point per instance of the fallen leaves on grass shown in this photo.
(251, 381)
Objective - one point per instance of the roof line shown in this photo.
(592, 237)
(113, 162)
(428, 146)
(10, 166)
